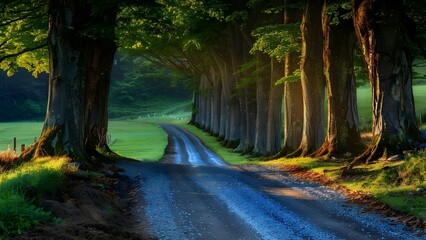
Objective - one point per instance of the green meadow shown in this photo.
(138, 139)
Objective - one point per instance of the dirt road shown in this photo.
(194, 194)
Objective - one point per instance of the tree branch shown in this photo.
(23, 51)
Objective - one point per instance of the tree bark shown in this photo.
(383, 31)
(215, 102)
(274, 126)
(63, 132)
(100, 53)
(343, 133)
(293, 97)
(312, 79)
(262, 97)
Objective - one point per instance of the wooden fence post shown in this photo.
(14, 144)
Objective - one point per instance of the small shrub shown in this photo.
(7, 159)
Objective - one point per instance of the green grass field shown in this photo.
(24, 132)
(138, 139)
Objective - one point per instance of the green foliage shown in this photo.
(361, 77)
(247, 74)
(19, 189)
(339, 10)
(292, 78)
(23, 33)
(22, 96)
(17, 215)
(416, 11)
(277, 40)
(139, 88)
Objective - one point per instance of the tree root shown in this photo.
(285, 150)
(367, 156)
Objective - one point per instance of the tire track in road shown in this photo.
(186, 144)
(193, 194)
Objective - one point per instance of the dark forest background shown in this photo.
(138, 88)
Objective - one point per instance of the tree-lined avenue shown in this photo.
(193, 194)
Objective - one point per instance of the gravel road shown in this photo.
(193, 194)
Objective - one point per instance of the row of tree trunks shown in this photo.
(382, 30)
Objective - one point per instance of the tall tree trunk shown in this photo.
(262, 97)
(230, 113)
(215, 102)
(274, 126)
(100, 54)
(382, 30)
(63, 132)
(312, 78)
(204, 101)
(343, 135)
(293, 97)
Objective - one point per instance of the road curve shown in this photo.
(193, 194)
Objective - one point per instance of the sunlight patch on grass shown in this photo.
(400, 184)
(44, 174)
(310, 164)
(38, 177)
(138, 139)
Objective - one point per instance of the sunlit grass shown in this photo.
(44, 174)
(20, 190)
(400, 184)
(138, 139)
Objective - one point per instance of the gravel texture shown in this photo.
(194, 194)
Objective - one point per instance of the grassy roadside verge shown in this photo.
(400, 185)
(21, 188)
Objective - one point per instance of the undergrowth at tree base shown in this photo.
(21, 189)
(395, 188)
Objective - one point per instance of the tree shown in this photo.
(100, 49)
(312, 78)
(385, 33)
(293, 97)
(80, 60)
(339, 41)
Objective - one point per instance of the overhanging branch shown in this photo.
(2, 58)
